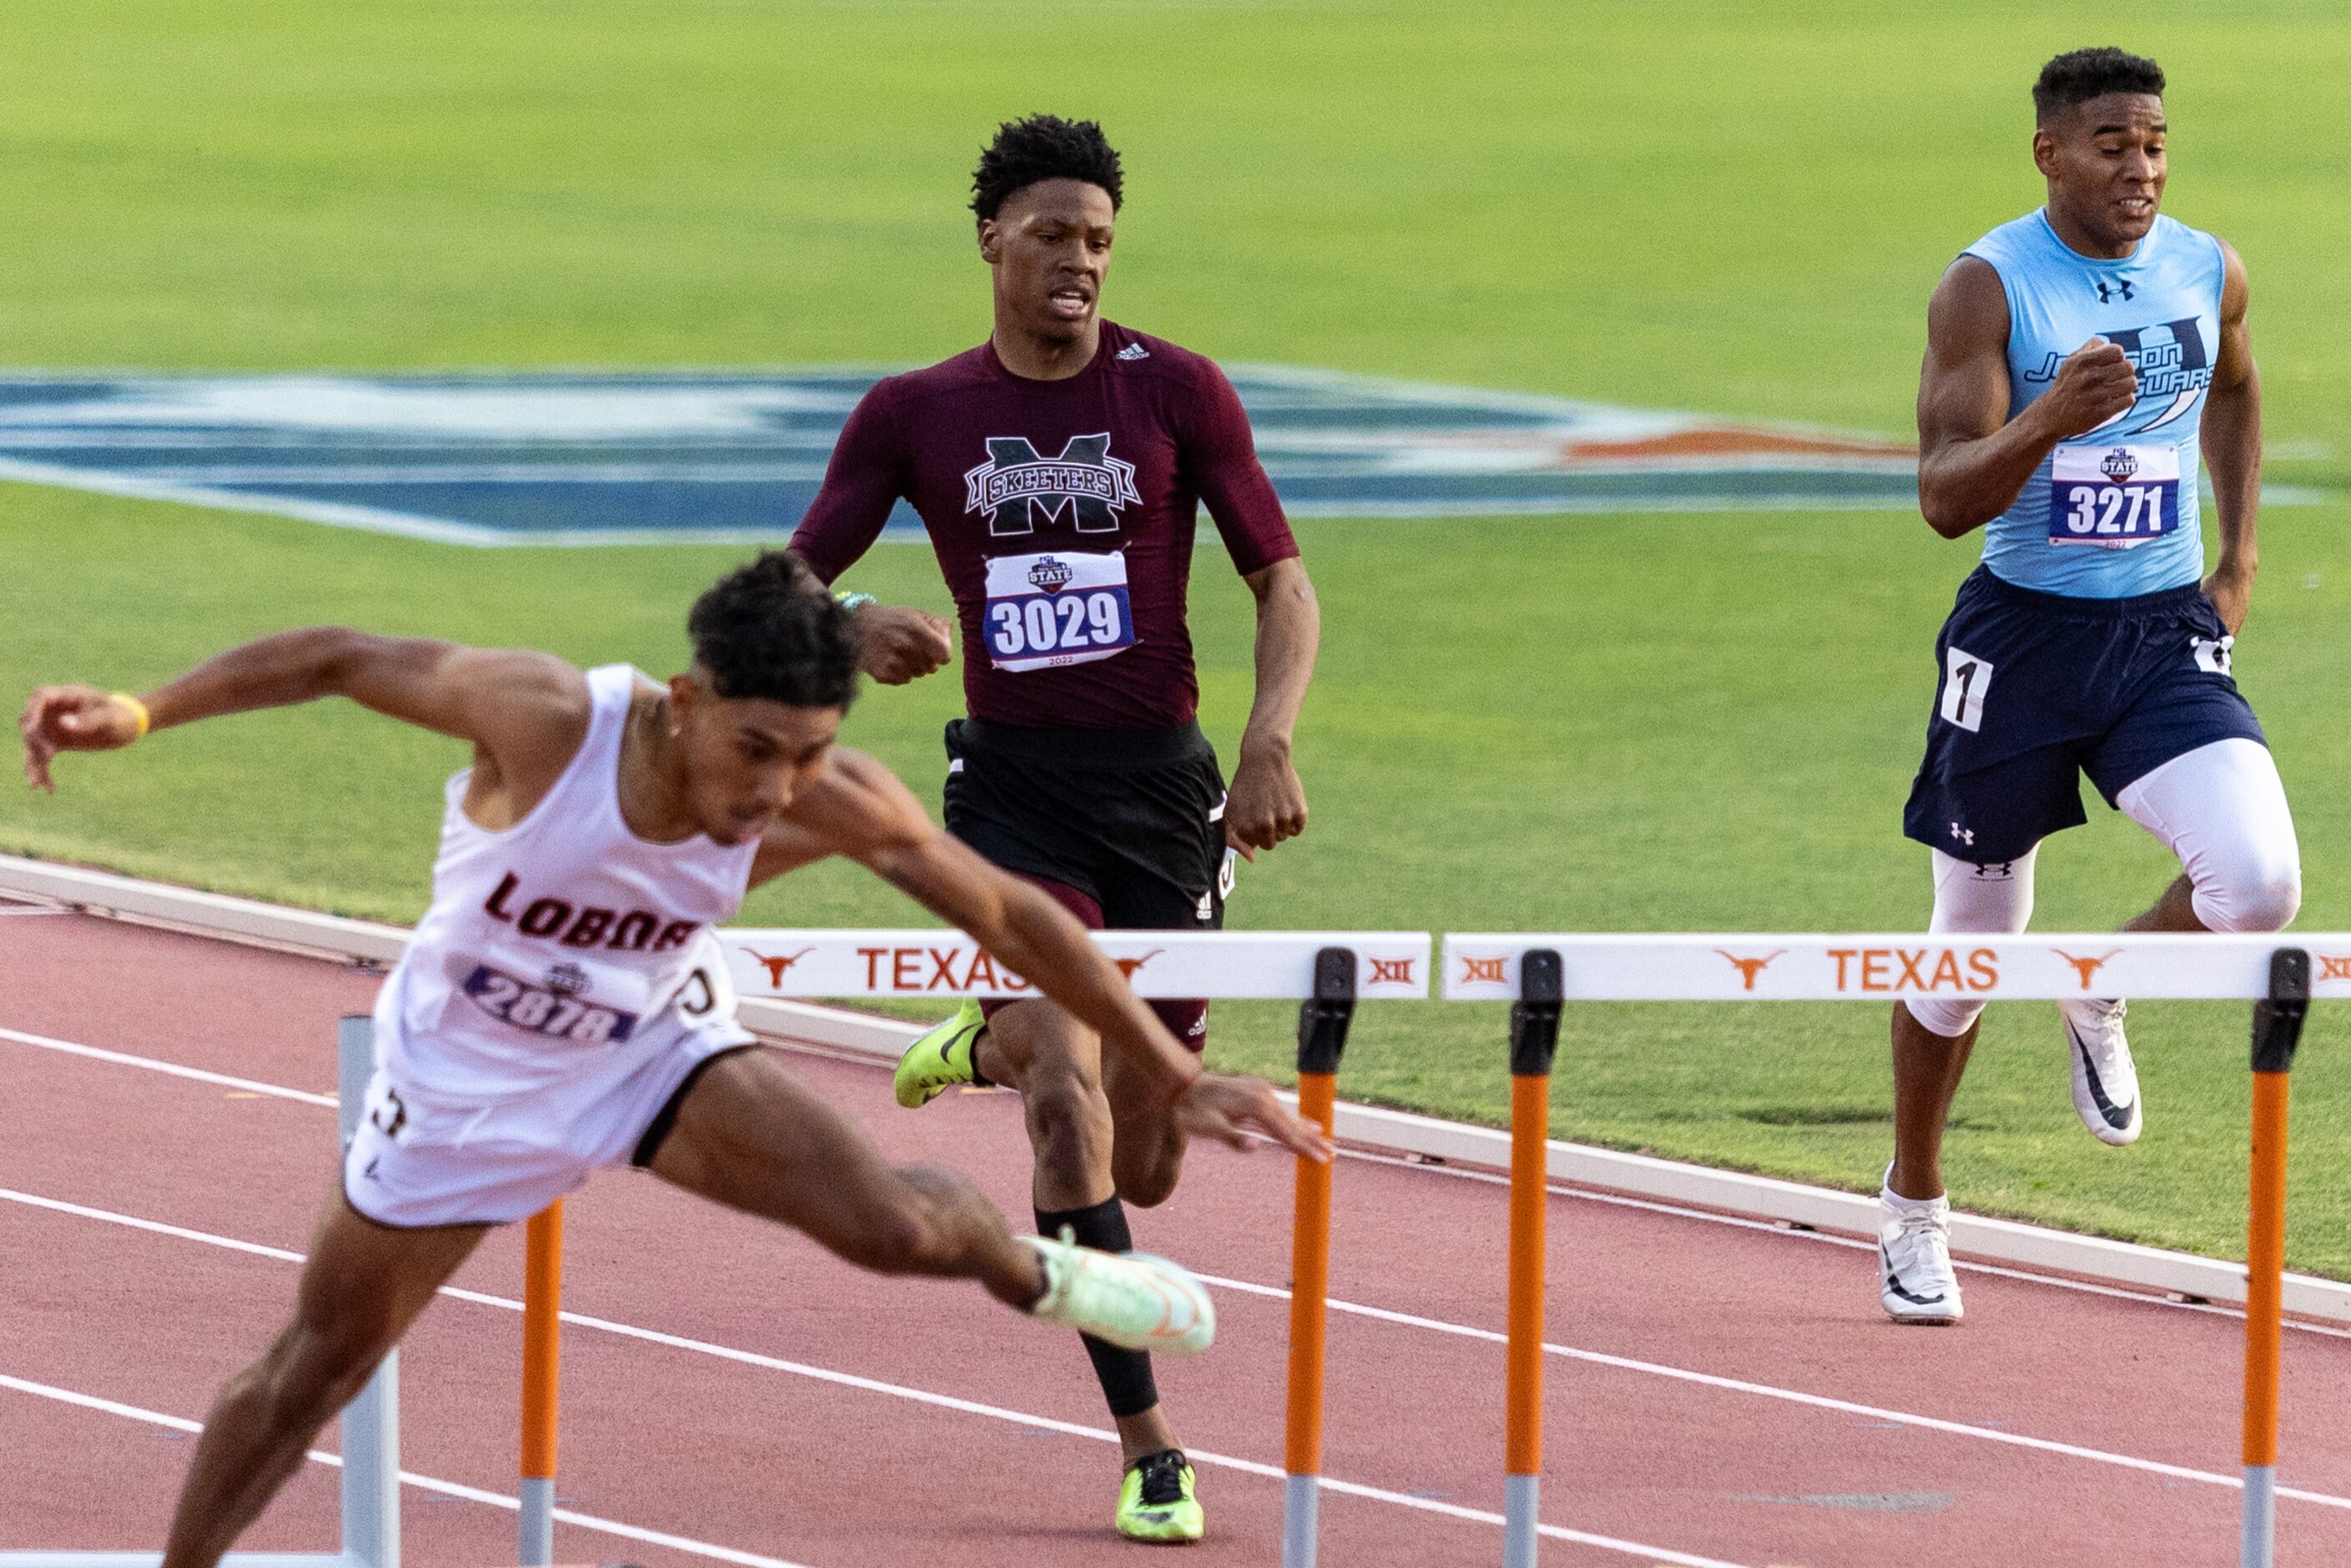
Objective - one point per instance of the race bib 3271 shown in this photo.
(2113, 496)
(1049, 609)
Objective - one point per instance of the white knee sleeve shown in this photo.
(1997, 897)
(2222, 809)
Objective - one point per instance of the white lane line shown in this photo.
(899, 1391)
(1853, 1243)
(409, 1479)
(1272, 1292)
(1457, 1172)
(1795, 1397)
(124, 1059)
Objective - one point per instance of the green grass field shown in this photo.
(1667, 722)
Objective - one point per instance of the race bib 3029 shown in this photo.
(2113, 496)
(1049, 609)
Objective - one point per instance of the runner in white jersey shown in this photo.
(562, 1006)
(2079, 360)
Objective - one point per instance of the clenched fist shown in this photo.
(2094, 386)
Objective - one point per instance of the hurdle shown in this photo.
(1325, 971)
(371, 1423)
(2273, 971)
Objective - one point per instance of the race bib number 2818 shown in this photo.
(1049, 609)
(2113, 496)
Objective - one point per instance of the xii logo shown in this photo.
(1485, 971)
(1393, 971)
(2331, 967)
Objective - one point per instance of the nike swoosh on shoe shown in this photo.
(2117, 1116)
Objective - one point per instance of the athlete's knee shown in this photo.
(1146, 1176)
(1947, 1017)
(314, 1369)
(2262, 893)
(1068, 1115)
(920, 1225)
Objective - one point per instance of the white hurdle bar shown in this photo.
(371, 1429)
(1887, 968)
(917, 963)
(2280, 973)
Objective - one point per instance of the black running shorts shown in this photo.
(1126, 829)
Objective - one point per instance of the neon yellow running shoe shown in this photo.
(940, 1060)
(1132, 1300)
(1156, 1500)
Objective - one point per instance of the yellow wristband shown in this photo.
(138, 711)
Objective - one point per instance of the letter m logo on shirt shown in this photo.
(1084, 485)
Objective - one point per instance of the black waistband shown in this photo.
(2170, 600)
(1110, 748)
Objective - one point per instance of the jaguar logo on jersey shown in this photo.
(2119, 464)
(1051, 574)
(2175, 367)
(1085, 486)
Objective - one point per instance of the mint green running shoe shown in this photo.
(1132, 1300)
(940, 1060)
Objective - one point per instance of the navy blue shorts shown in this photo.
(2035, 688)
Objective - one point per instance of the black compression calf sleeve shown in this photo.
(1124, 1375)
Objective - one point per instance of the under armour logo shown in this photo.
(1965, 835)
(2107, 292)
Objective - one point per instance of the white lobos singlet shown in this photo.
(565, 950)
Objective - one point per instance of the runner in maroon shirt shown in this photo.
(1059, 468)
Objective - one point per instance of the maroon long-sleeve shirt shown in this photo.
(1062, 514)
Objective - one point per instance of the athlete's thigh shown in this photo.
(751, 1135)
(365, 1283)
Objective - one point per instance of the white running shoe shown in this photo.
(2105, 1083)
(1915, 1282)
(1131, 1300)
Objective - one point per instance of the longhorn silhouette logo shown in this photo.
(776, 967)
(1749, 968)
(2089, 966)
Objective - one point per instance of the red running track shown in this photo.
(1719, 1390)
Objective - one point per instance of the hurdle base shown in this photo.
(1302, 1498)
(1520, 1495)
(2257, 1534)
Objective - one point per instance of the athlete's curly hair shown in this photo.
(769, 629)
(2085, 74)
(1043, 147)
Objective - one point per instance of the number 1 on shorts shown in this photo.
(1966, 678)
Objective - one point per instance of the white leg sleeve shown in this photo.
(1997, 897)
(2222, 809)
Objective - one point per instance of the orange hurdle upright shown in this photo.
(1534, 1040)
(542, 1308)
(1322, 1035)
(2277, 1031)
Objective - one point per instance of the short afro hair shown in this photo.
(769, 629)
(2085, 74)
(1043, 147)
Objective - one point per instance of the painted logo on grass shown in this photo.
(639, 458)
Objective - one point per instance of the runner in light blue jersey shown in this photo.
(2118, 504)
(2080, 362)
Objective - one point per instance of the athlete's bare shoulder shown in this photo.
(1969, 308)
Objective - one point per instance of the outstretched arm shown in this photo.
(2232, 447)
(858, 809)
(524, 711)
(1266, 803)
(1973, 460)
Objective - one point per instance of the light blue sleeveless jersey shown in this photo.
(2113, 513)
